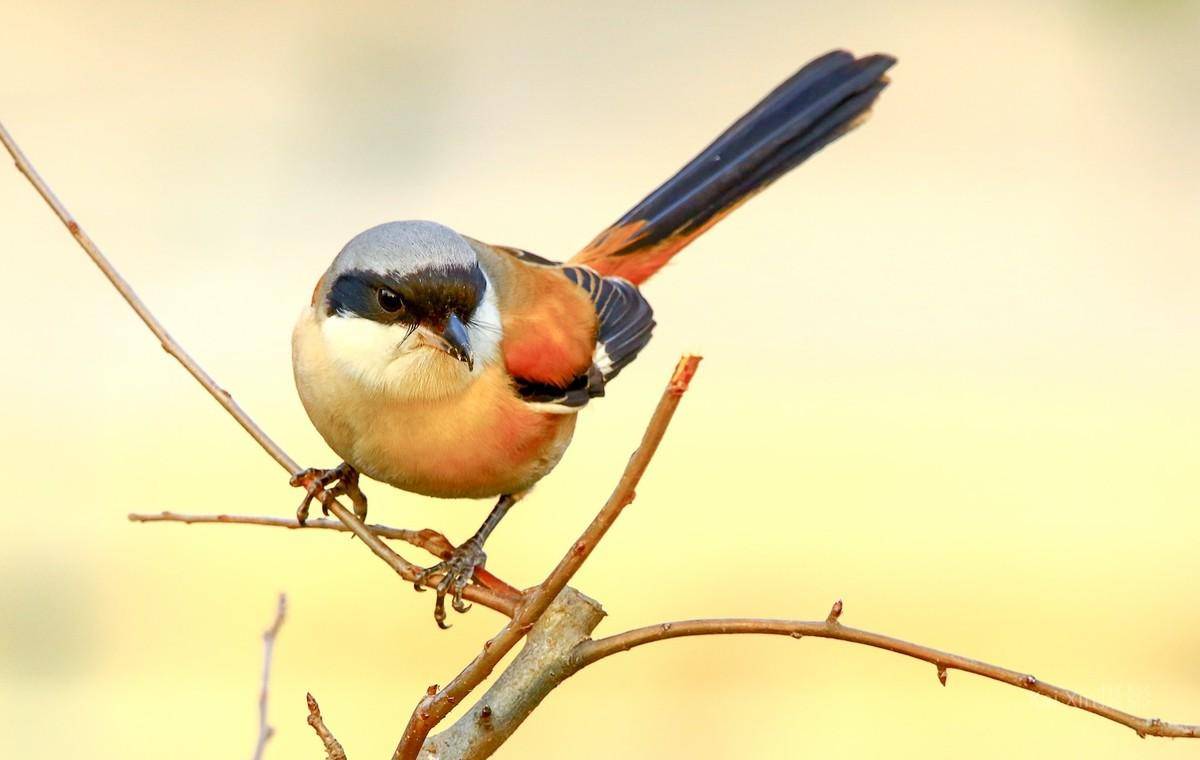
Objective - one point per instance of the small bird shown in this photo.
(452, 368)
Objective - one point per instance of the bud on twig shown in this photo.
(835, 612)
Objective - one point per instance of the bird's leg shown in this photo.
(313, 481)
(459, 568)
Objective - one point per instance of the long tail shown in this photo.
(818, 104)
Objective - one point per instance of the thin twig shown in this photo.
(589, 652)
(168, 343)
(436, 704)
(429, 540)
(403, 567)
(333, 748)
(265, 731)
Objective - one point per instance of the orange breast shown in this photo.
(482, 443)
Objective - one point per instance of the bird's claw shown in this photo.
(314, 481)
(457, 572)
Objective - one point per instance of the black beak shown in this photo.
(457, 343)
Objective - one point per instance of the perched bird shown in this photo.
(453, 368)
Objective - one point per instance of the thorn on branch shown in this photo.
(942, 674)
(835, 612)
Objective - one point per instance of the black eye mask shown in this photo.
(425, 297)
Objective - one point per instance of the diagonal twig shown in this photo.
(403, 567)
(436, 704)
(164, 338)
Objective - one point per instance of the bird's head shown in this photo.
(405, 307)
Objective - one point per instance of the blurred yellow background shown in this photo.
(951, 370)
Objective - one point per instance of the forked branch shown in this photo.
(436, 704)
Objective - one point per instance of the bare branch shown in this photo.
(429, 540)
(265, 731)
(333, 748)
(434, 706)
(403, 567)
(590, 652)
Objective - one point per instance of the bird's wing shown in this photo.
(567, 330)
(626, 319)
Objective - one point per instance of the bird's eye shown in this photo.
(389, 300)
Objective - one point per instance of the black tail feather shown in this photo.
(818, 104)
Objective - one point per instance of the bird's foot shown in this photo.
(457, 572)
(344, 482)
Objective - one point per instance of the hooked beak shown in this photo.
(454, 341)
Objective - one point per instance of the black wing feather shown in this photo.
(626, 319)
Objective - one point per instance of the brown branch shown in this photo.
(429, 540)
(590, 652)
(333, 748)
(403, 567)
(436, 704)
(265, 731)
